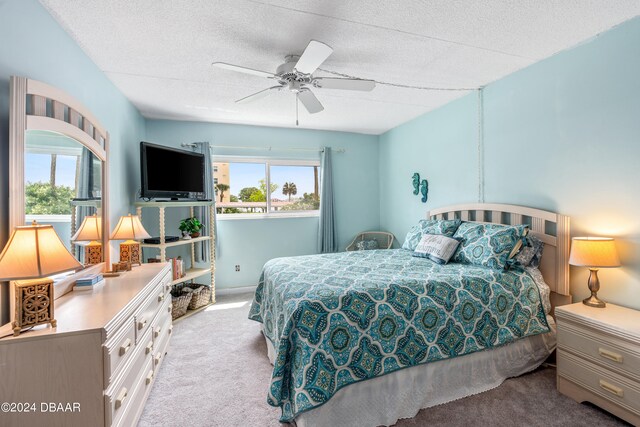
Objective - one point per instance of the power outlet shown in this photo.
(237, 267)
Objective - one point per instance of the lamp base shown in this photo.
(93, 253)
(594, 301)
(130, 251)
(34, 304)
(594, 287)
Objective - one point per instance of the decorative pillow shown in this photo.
(530, 255)
(444, 227)
(366, 245)
(489, 245)
(436, 247)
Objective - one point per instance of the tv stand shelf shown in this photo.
(176, 243)
(192, 272)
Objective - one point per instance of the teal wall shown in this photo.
(561, 135)
(33, 45)
(250, 243)
(442, 147)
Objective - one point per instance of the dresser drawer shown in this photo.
(145, 315)
(140, 392)
(600, 381)
(118, 349)
(161, 343)
(118, 395)
(606, 350)
(161, 318)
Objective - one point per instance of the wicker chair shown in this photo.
(371, 240)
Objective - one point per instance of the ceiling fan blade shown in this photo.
(310, 101)
(245, 70)
(314, 55)
(257, 95)
(345, 84)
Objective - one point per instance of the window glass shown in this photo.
(240, 188)
(295, 188)
(260, 187)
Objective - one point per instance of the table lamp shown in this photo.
(34, 251)
(90, 231)
(595, 253)
(130, 228)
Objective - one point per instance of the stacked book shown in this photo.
(178, 267)
(89, 281)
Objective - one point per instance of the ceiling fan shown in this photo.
(296, 75)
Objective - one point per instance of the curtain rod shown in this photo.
(193, 144)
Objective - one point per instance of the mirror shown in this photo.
(62, 184)
(58, 173)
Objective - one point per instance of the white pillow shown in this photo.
(436, 247)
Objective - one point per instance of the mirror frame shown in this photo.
(53, 110)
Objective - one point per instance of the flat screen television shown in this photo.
(169, 172)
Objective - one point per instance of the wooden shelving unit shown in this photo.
(192, 272)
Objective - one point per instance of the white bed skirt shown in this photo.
(401, 394)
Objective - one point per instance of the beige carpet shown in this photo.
(216, 374)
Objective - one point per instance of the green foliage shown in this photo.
(245, 193)
(44, 199)
(309, 202)
(190, 225)
(289, 188)
(257, 196)
(263, 187)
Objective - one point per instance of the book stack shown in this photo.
(177, 265)
(88, 282)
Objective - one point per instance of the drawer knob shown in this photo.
(149, 348)
(611, 388)
(161, 297)
(157, 358)
(169, 309)
(170, 329)
(611, 355)
(156, 333)
(149, 377)
(125, 347)
(142, 323)
(122, 396)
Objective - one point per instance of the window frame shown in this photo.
(268, 162)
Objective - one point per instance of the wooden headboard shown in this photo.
(552, 228)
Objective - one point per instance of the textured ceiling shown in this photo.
(159, 52)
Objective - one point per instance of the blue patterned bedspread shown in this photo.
(337, 319)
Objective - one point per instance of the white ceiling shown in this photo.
(158, 52)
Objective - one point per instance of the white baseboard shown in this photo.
(234, 291)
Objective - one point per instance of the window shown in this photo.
(263, 187)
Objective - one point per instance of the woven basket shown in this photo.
(179, 303)
(201, 294)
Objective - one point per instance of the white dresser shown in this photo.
(97, 367)
(599, 357)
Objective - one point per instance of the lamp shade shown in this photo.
(35, 251)
(596, 252)
(129, 228)
(90, 230)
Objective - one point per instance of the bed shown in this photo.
(369, 337)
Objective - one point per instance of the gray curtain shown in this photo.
(202, 213)
(327, 240)
(84, 191)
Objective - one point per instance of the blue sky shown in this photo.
(248, 175)
(38, 168)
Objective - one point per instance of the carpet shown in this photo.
(216, 373)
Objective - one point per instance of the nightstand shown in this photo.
(599, 357)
